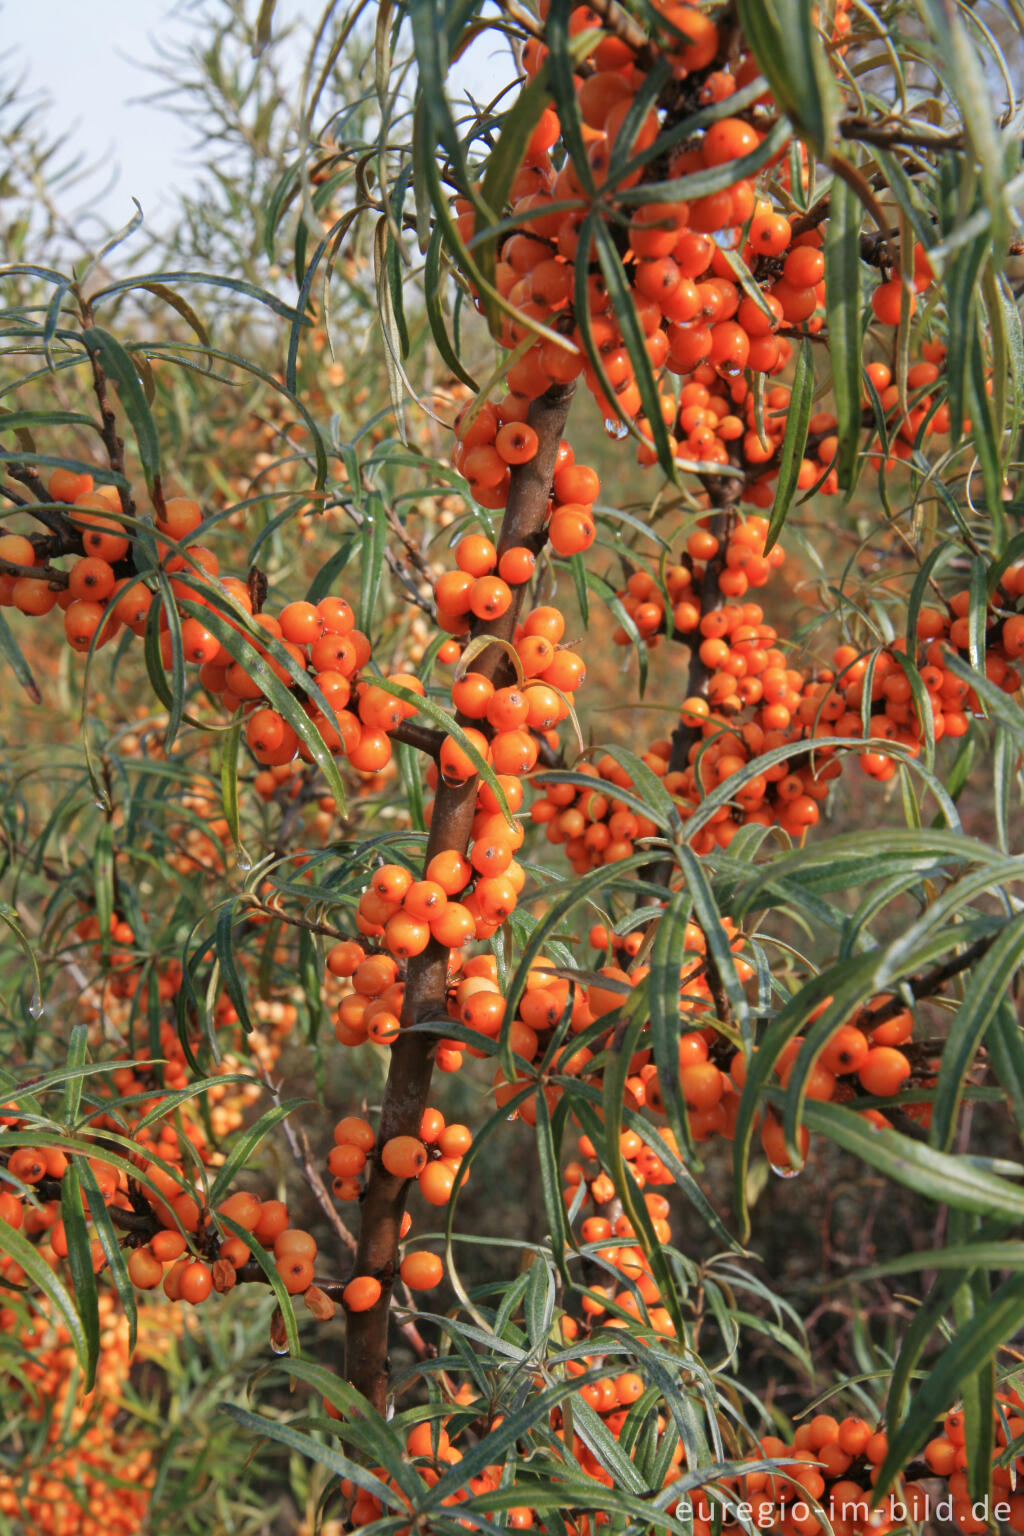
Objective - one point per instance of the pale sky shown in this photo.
(90, 57)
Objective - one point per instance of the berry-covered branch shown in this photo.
(410, 1071)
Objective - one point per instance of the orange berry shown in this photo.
(455, 763)
(422, 1271)
(436, 1183)
(883, 1071)
(195, 1282)
(517, 565)
(361, 1294)
(404, 1156)
(516, 442)
(490, 597)
(450, 871)
(145, 1269)
(353, 1131)
(886, 300)
(475, 555)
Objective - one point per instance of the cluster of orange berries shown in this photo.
(714, 281)
(597, 827)
(548, 670)
(185, 1249)
(406, 913)
(433, 1159)
(490, 439)
(95, 1475)
(189, 1275)
(897, 713)
(320, 639)
(720, 422)
(829, 1464)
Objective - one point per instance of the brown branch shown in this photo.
(815, 215)
(291, 919)
(423, 737)
(929, 983)
(405, 1095)
(899, 135)
(47, 573)
(142, 1223)
(41, 506)
(29, 477)
(522, 19)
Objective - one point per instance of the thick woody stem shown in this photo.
(412, 1056)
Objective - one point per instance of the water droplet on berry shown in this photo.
(787, 1172)
(616, 428)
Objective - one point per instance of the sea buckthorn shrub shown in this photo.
(599, 783)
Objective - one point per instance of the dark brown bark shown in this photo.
(412, 1057)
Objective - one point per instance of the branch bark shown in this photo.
(412, 1057)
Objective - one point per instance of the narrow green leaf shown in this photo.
(602, 1444)
(960, 66)
(987, 992)
(11, 652)
(78, 1049)
(121, 369)
(229, 747)
(668, 954)
(239, 285)
(231, 977)
(706, 913)
(986, 434)
(784, 38)
(53, 1288)
(843, 312)
(167, 608)
(265, 1261)
(315, 1451)
(433, 291)
(264, 22)
(957, 1256)
(1006, 1053)
(103, 881)
(794, 442)
(112, 1249)
(374, 547)
(83, 1277)
(933, 1175)
(633, 338)
(11, 921)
